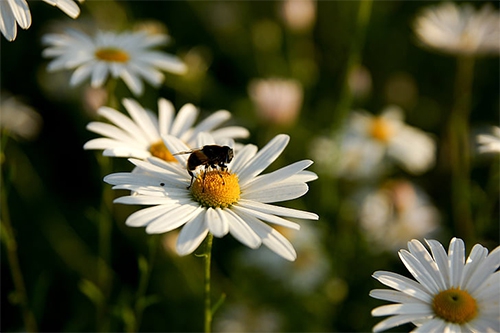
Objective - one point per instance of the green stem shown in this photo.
(8, 237)
(353, 62)
(458, 129)
(208, 303)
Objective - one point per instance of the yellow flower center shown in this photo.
(112, 55)
(159, 150)
(381, 129)
(216, 189)
(455, 306)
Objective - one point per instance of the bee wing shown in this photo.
(186, 152)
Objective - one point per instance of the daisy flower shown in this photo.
(450, 294)
(17, 12)
(236, 200)
(371, 143)
(462, 29)
(140, 135)
(396, 211)
(489, 143)
(127, 55)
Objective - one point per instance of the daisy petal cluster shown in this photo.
(460, 29)
(237, 200)
(489, 143)
(450, 294)
(17, 12)
(140, 135)
(371, 143)
(128, 55)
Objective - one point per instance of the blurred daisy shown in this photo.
(140, 135)
(450, 294)
(17, 12)
(126, 55)
(299, 15)
(236, 200)
(369, 143)
(462, 29)
(306, 273)
(395, 212)
(489, 143)
(278, 101)
(242, 317)
(19, 119)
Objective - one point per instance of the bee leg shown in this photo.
(223, 168)
(203, 181)
(192, 179)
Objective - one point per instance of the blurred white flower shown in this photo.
(489, 143)
(455, 29)
(360, 82)
(127, 55)
(19, 119)
(395, 212)
(306, 273)
(17, 12)
(370, 143)
(299, 15)
(450, 294)
(141, 135)
(277, 101)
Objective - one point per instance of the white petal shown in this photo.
(271, 238)
(217, 223)
(209, 123)
(185, 119)
(176, 146)
(266, 217)
(166, 114)
(456, 255)
(144, 216)
(8, 24)
(403, 284)
(241, 231)
(483, 272)
(235, 132)
(434, 325)
(279, 192)
(191, 235)
(394, 321)
(174, 219)
(264, 158)
(431, 270)
(277, 210)
(441, 259)
(99, 74)
(277, 176)
(67, 6)
(113, 132)
(133, 82)
(144, 200)
(143, 119)
(394, 296)
(79, 75)
(402, 309)
(125, 123)
(242, 156)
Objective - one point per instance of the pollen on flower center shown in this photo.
(380, 129)
(216, 189)
(112, 54)
(160, 150)
(455, 306)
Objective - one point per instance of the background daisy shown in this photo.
(128, 55)
(449, 294)
(140, 135)
(235, 202)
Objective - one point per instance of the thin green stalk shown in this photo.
(8, 237)
(208, 302)
(458, 129)
(353, 62)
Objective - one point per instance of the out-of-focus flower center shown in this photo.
(112, 55)
(216, 189)
(381, 129)
(455, 306)
(160, 150)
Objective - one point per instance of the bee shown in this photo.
(210, 156)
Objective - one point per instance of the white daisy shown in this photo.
(450, 294)
(370, 142)
(19, 119)
(17, 12)
(126, 55)
(140, 135)
(462, 29)
(396, 211)
(235, 201)
(489, 143)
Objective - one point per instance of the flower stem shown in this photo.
(208, 303)
(8, 238)
(459, 145)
